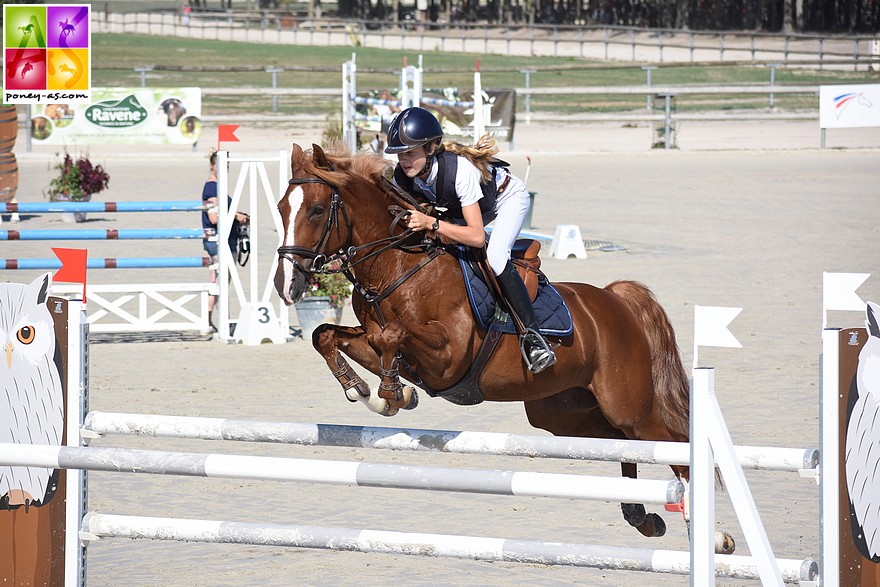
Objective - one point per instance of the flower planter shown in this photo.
(71, 217)
(315, 310)
(77, 181)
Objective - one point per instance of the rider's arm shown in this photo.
(471, 234)
(467, 188)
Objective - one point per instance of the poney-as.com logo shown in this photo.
(46, 51)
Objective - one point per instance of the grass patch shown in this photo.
(115, 58)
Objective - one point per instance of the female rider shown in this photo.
(475, 189)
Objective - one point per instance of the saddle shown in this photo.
(551, 312)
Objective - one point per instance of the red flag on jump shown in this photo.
(226, 134)
(73, 266)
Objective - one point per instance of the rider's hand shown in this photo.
(419, 221)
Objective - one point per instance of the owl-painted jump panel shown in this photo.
(33, 500)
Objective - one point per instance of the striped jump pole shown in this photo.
(442, 102)
(111, 263)
(119, 234)
(344, 473)
(95, 525)
(56, 207)
(375, 101)
(450, 441)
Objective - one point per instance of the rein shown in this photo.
(348, 252)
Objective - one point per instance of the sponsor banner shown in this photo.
(142, 116)
(851, 106)
(46, 53)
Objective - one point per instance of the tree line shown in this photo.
(789, 16)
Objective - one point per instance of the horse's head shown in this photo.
(326, 192)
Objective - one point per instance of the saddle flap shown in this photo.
(552, 314)
(525, 258)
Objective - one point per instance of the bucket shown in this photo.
(8, 128)
(314, 311)
(8, 176)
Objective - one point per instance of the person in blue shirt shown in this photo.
(210, 218)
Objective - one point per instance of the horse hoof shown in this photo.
(634, 514)
(389, 411)
(352, 395)
(724, 543)
(653, 526)
(413, 398)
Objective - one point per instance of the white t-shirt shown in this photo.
(467, 182)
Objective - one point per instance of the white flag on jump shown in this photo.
(710, 326)
(839, 293)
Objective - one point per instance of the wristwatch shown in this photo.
(436, 226)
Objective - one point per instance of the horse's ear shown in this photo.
(296, 157)
(318, 157)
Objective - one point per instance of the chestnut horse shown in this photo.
(618, 375)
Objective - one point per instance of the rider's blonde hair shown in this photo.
(480, 153)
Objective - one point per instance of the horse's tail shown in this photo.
(671, 383)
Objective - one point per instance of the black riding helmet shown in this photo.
(412, 128)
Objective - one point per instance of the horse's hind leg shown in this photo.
(650, 525)
(575, 412)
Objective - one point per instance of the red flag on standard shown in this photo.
(226, 133)
(73, 266)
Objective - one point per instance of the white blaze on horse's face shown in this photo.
(285, 266)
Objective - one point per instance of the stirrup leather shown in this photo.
(536, 353)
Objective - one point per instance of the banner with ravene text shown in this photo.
(151, 116)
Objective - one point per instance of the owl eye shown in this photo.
(26, 334)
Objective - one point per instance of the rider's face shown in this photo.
(413, 162)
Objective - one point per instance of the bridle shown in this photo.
(318, 255)
(348, 255)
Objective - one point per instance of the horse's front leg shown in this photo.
(328, 340)
(387, 342)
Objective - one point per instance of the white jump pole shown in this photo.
(349, 91)
(345, 473)
(96, 526)
(77, 386)
(768, 458)
(479, 119)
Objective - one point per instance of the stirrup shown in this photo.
(538, 356)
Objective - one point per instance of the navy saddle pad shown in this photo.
(553, 316)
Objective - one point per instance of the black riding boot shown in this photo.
(535, 350)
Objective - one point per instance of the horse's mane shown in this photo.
(346, 167)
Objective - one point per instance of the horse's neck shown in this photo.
(382, 271)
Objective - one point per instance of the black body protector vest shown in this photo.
(444, 188)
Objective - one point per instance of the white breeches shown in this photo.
(510, 214)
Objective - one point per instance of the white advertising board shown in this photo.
(849, 106)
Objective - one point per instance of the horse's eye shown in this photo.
(316, 210)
